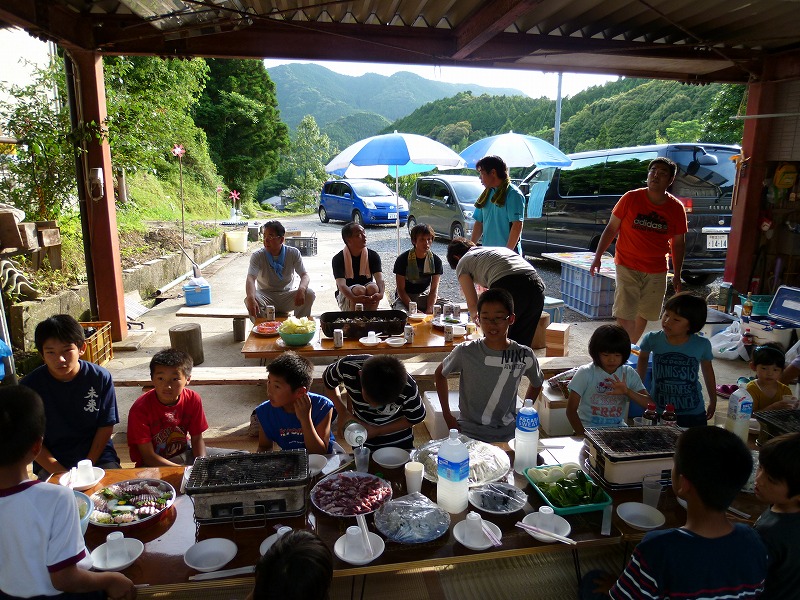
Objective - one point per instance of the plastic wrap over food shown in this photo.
(412, 519)
(487, 463)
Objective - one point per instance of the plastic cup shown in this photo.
(651, 490)
(639, 422)
(414, 473)
(354, 544)
(116, 550)
(546, 519)
(282, 531)
(85, 472)
(371, 336)
(362, 459)
(473, 532)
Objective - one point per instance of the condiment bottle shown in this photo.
(740, 409)
(650, 415)
(668, 417)
(748, 340)
(747, 308)
(452, 487)
(355, 434)
(526, 438)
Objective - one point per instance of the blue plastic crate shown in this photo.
(197, 295)
(584, 279)
(555, 308)
(592, 311)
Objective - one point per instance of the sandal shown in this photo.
(725, 390)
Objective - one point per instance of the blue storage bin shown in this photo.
(592, 297)
(197, 295)
(555, 308)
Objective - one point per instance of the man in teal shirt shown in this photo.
(501, 207)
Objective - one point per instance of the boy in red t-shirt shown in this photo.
(163, 420)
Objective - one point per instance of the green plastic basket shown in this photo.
(760, 304)
(570, 510)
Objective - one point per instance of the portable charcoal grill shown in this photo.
(624, 455)
(243, 487)
(777, 422)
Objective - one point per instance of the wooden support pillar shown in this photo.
(745, 234)
(100, 205)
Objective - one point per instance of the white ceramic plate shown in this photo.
(316, 462)
(396, 341)
(366, 341)
(640, 516)
(417, 316)
(378, 546)
(561, 526)
(390, 457)
(440, 322)
(98, 475)
(210, 555)
(264, 333)
(267, 543)
(132, 545)
(458, 532)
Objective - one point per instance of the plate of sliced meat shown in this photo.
(349, 493)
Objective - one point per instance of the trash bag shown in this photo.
(728, 344)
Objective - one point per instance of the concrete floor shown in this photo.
(228, 408)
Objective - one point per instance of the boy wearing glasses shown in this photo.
(271, 275)
(490, 371)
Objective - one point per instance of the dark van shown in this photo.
(568, 207)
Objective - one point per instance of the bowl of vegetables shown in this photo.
(85, 508)
(567, 489)
(297, 332)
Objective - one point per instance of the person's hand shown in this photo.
(618, 386)
(302, 407)
(676, 284)
(300, 297)
(252, 306)
(341, 421)
(712, 408)
(595, 268)
(452, 422)
(120, 587)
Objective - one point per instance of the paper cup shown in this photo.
(116, 550)
(85, 472)
(547, 519)
(473, 529)
(651, 490)
(414, 474)
(354, 544)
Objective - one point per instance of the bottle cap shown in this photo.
(670, 407)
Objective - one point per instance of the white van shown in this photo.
(568, 207)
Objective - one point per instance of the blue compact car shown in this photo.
(365, 201)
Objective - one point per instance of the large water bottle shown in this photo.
(740, 409)
(526, 438)
(355, 434)
(452, 489)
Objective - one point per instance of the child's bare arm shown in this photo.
(641, 365)
(443, 391)
(198, 445)
(572, 412)
(76, 580)
(151, 459)
(264, 443)
(101, 437)
(48, 462)
(312, 436)
(711, 387)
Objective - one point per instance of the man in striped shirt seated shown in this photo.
(709, 557)
(382, 396)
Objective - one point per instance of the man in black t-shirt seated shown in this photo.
(357, 271)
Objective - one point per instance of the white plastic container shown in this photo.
(236, 241)
(452, 488)
(526, 437)
(740, 409)
(355, 434)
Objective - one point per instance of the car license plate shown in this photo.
(392, 216)
(716, 242)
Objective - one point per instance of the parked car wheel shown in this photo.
(358, 218)
(412, 222)
(698, 278)
(456, 231)
(323, 215)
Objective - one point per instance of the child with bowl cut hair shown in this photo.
(599, 392)
(293, 417)
(679, 356)
(778, 484)
(79, 400)
(767, 390)
(298, 566)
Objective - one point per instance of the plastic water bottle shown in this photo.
(452, 489)
(355, 434)
(740, 409)
(526, 438)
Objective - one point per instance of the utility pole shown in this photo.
(557, 128)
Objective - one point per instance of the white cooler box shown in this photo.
(552, 409)
(434, 420)
(782, 321)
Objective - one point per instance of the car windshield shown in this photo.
(467, 191)
(369, 189)
(695, 180)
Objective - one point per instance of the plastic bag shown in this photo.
(793, 352)
(728, 344)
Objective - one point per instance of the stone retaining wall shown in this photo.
(146, 278)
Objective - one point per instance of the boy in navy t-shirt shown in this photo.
(79, 400)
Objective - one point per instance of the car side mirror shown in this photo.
(347, 195)
(446, 199)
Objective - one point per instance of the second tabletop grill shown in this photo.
(624, 455)
(243, 487)
(777, 422)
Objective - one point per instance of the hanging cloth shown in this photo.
(363, 267)
(412, 268)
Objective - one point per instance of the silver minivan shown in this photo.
(446, 203)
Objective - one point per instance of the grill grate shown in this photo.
(781, 421)
(635, 442)
(248, 471)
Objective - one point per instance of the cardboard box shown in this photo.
(539, 336)
(552, 409)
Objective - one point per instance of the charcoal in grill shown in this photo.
(777, 422)
(248, 471)
(629, 443)
(357, 324)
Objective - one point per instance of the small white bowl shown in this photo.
(640, 516)
(396, 341)
(132, 545)
(390, 458)
(458, 331)
(316, 462)
(560, 526)
(210, 554)
(368, 342)
(82, 487)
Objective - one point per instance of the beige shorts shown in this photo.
(639, 294)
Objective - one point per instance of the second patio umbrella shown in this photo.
(516, 150)
(400, 153)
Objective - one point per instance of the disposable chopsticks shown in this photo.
(544, 532)
(490, 534)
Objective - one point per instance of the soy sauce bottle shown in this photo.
(668, 417)
(650, 415)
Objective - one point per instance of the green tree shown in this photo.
(41, 168)
(239, 113)
(718, 126)
(684, 131)
(309, 149)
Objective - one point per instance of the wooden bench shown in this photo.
(239, 316)
(420, 371)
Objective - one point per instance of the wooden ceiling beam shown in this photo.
(488, 21)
